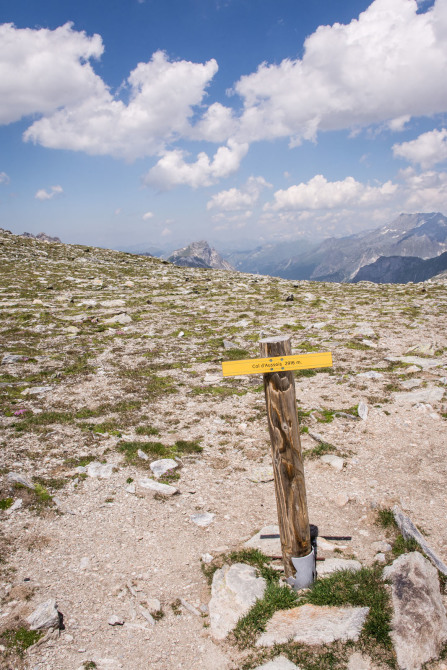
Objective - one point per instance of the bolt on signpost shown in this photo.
(276, 365)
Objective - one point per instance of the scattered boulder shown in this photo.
(202, 519)
(428, 395)
(122, 318)
(115, 621)
(156, 487)
(17, 478)
(234, 591)
(334, 461)
(44, 616)
(362, 410)
(270, 546)
(159, 468)
(100, 470)
(419, 624)
(311, 624)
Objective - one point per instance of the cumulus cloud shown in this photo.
(172, 169)
(147, 216)
(427, 149)
(425, 191)
(42, 194)
(238, 199)
(372, 70)
(42, 70)
(318, 193)
(4, 178)
(161, 100)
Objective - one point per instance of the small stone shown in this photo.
(146, 615)
(190, 607)
(17, 478)
(381, 546)
(411, 370)
(202, 519)
(11, 358)
(159, 468)
(44, 616)
(427, 395)
(234, 591)
(122, 318)
(371, 374)
(36, 390)
(68, 638)
(206, 558)
(130, 488)
(111, 303)
(290, 298)
(142, 455)
(261, 475)
(341, 499)
(331, 565)
(115, 621)
(100, 470)
(310, 625)
(181, 334)
(334, 461)
(17, 504)
(85, 563)
(228, 345)
(380, 557)
(153, 605)
(156, 487)
(362, 410)
(278, 663)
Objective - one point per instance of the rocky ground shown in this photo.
(112, 361)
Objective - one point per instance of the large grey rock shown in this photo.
(122, 318)
(419, 624)
(270, 546)
(278, 663)
(44, 616)
(234, 591)
(409, 530)
(17, 478)
(100, 470)
(429, 395)
(159, 468)
(202, 519)
(331, 565)
(310, 624)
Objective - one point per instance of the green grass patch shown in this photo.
(353, 344)
(146, 430)
(20, 640)
(320, 449)
(385, 518)
(5, 503)
(219, 391)
(31, 421)
(156, 449)
(236, 354)
(402, 546)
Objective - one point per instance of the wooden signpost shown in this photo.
(276, 365)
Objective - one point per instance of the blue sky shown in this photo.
(239, 121)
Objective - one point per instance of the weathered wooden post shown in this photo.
(290, 487)
(276, 365)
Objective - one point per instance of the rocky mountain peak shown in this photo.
(199, 255)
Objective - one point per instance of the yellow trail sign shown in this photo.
(260, 366)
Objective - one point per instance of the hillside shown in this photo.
(402, 269)
(111, 361)
(199, 255)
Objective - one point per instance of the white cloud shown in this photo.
(386, 66)
(147, 216)
(161, 100)
(43, 69)
(4, 178)
(42, 194)
(422, 192)
(172, 169)
(237, 199)
(427, 149)
(318, 193)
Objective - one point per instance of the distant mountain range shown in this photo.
(199, 255)
(401, 269)
(43, 237)
(340, 259)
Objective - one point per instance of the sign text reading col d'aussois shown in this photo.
(253, 366)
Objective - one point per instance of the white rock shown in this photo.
(381, 546)
(331, 565)
(362, 410)
(100, 470)
(36, 390)
(44, 616)
(325, 545)
(278, 663)
(115, 621)
(311, 625)
(259, 475)
(358, 661)
(153, 605)
(159, 468)
(206, 558)
(156, 487)
(142, 455)
(234, 591)
(17, 478)
(130, 488)
(17, 504)
(371, 374)
(380, 558)
(427, 395)
(119, 318)
(334, 461)
(111, 303)
(341, 499)
(202, 519)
